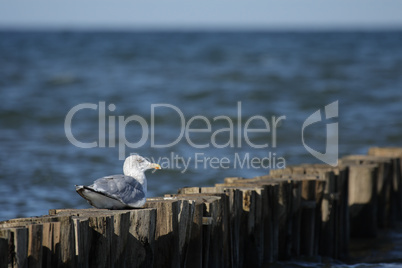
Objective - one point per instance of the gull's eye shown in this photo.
(140, 160)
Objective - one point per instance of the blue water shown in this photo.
(43, 75)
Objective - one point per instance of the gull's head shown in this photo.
(136, 163)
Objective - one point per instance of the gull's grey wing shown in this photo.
(99, 199)
(124, 188)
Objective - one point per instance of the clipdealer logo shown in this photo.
(238, 133)
(331, 148)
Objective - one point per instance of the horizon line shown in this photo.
(154, 28)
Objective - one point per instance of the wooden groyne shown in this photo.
(304, 210)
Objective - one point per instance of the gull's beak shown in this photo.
(155, 166)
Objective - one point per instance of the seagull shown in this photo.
(120, 191)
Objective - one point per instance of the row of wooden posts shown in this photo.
(304, 210)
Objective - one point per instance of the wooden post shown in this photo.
(285, 219)
(101, 237)
(253, 244)
(166, 252)
(306, 214)
(296, 218)
(216, 238)
(363, 200)
(219, 239)
(20, 245)
(308, 205)
(5, 258)
(329, 209)
(222, 222)
(140, 247)
(396, 193)
(343, 223)
(334, 232)
(66, 249)
(57, 240)
(261, 219)
(384, 183)
(233, 213)
(235, 210)
(251, 222)
(82, 237)
(214, 207)
(185, 221)
(35, 245)
(273, 198)
(191, 219)
(319, 195)
(194, 250)
(120, 239)
(130, 235)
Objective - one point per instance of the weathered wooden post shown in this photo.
(308, 222)
(255, 213)
(363, 200)
(51, 244)
(82, 240)
(384, 183)
(20, 245)
(101, 237)
(307, 214)
(166, 252)
(285, 219)
(235, 210)
(396, 192)
(5, 236)
(224, 218)
(343, 222)
(129, 236)
(329, 211)
(213, 225)
(35, 245)
(141, 243)
(191, 239)
(268, 216)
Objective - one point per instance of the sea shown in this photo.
(205, 105)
